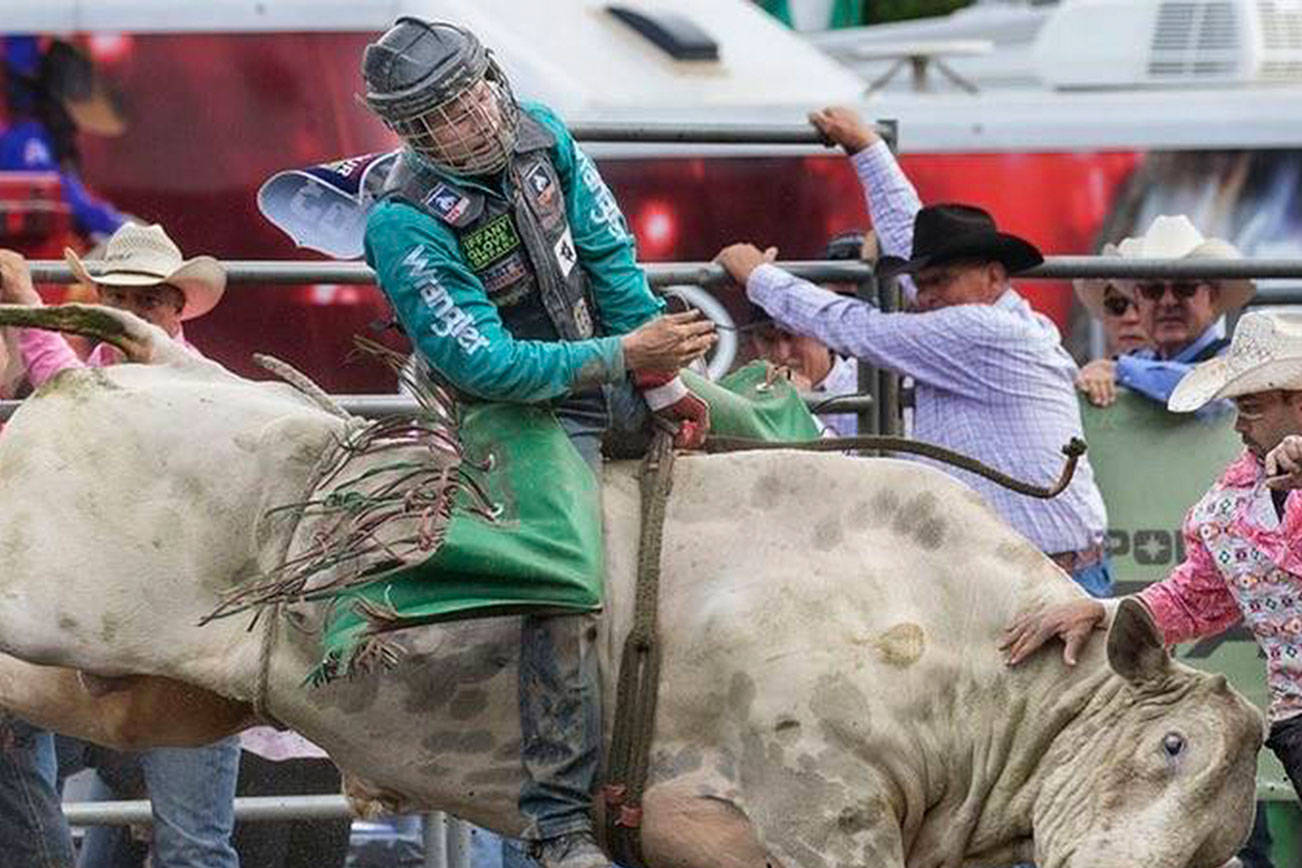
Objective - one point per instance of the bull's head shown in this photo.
(1159, 768)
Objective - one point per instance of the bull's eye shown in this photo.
(1173, 744)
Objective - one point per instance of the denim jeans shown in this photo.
(191, 792)
(1096, 579)
(33, 832)
(560, 696)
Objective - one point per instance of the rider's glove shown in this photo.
(669, 398)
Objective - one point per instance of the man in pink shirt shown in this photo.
(142, 272)
(1243, 539)
(191, 790)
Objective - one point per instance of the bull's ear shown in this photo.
(1135, 649)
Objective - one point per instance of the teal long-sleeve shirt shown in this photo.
(446, 312)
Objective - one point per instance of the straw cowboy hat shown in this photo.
(1265, 354)
(1174, 237)
(145, 256)
(1091, 291)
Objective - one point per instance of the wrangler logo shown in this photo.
(450, 321)
(490, 243)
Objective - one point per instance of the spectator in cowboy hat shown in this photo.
(1182, 317)
(192, 790)
(143, 272)
(991, 377)
(1243, 540)
(1112, 303)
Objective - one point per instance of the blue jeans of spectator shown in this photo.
(560, 696)
(1096, 578)
(191, 793)
(33, 832)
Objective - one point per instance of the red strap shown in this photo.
(614, 794)
(630, 816)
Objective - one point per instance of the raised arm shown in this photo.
(892, 201)
(44, 353)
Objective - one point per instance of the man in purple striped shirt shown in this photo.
(992, 379)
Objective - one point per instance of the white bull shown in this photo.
(831, 692)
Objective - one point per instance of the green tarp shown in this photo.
(544, 549)
(1152, 466)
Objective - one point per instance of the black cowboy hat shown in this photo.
(949, 233)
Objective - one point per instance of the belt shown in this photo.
(1079, 560)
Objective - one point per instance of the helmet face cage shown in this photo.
(472, 133)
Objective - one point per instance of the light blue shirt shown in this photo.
(992, 380)
(1143, 372)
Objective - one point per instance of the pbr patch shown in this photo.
(541, 184)
(490, 242)
(566, 256)
(448, 203)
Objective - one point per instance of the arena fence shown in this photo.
(877, 401)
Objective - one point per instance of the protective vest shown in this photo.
(520, 247)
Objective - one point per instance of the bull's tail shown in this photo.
(137, 339)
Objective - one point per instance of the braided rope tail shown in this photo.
(1073, 450)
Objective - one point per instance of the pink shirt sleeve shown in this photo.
(1194, 600)
(45, 354)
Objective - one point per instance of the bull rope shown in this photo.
(639, 668)
(1074, 449)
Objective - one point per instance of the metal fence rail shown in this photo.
(709, 274)
(663, 274)
(251, 808)
(373, 406)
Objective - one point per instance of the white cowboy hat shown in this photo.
(1175, 237)
(1092, 290)
(1265, 354)
(145, 256)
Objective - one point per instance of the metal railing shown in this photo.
(445, 839)
(374, 406)
(708, 274)
(877, 401)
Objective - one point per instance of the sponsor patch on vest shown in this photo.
(447, 203)
(490, 242)
(583, 318)
(506, 282)
(541, 184)
(566, 256)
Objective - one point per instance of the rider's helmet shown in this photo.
(437, 87)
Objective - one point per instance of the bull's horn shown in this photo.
(140, 341)
(302, 382)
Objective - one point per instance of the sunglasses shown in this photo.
(1155, 291)
(1117, 305)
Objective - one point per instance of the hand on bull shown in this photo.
(670, 399)
(739, 260)
(16, 280)
(1284, 464)
(668, 343)
(1072, 622)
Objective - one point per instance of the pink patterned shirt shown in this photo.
(1243, 563)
